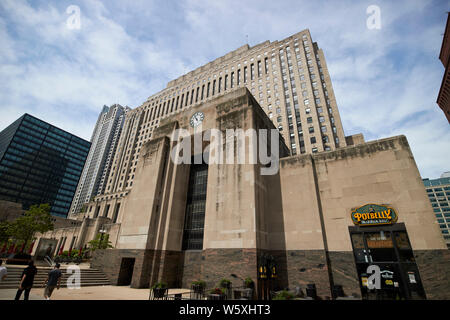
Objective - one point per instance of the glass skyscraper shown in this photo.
(40, 163)
(438, 191)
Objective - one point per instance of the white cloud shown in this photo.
(386, 81)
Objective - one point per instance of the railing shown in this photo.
(237, 293)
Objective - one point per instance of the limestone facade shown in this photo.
(301, 215)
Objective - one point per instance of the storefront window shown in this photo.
(380, 245)
(358, 247)
(404, 248)
(387, 247)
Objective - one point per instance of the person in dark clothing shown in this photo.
(53, 280)
(26, 281)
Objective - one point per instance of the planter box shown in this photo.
(159, 293)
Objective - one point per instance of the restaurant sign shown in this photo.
(373, 214)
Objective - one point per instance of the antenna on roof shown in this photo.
(246, 38)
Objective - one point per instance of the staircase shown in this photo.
(88, 277)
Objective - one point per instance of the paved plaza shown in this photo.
(89, 293)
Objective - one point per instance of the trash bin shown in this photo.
(311, 290)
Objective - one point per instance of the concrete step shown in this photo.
(88, 284)
(88, 277)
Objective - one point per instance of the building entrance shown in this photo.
(126, 272)
(387, 247)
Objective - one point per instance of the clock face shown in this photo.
(196, 119)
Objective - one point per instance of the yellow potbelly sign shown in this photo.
(373, 214)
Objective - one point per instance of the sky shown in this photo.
(386, 80)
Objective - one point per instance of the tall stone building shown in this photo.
(335, 205)
(98, 163)
(289, 79)
(320, 218)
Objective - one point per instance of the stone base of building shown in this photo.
(212, 265)
(434, 268)
(344, 273)
(180, 269)
(294, 268)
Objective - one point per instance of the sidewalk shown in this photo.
(88, 293)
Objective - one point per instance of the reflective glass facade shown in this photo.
(40, 163)
(438, 191)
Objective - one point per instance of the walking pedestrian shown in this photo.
(3, 271)
(26, 281)
(53, 281)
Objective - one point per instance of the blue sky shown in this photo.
(386, 81)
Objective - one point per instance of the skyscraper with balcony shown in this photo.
(98, 164)
(40, 163)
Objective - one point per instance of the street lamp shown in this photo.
(102, 233)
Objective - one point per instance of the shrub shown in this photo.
(248, 282)
(159, 285)
(224, 283)
(199, 283)
(284, 295)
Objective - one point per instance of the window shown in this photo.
(313, 139)
(195, 207)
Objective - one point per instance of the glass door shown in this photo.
(387, 247)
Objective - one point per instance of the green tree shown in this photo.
(36, 219)
(100, 242)
(4, 231)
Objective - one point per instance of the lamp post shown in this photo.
(102, 233)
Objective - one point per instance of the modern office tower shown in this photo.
(98, 163)
(288, 78)
(443, 99)
(40, 163)
(438, 191)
